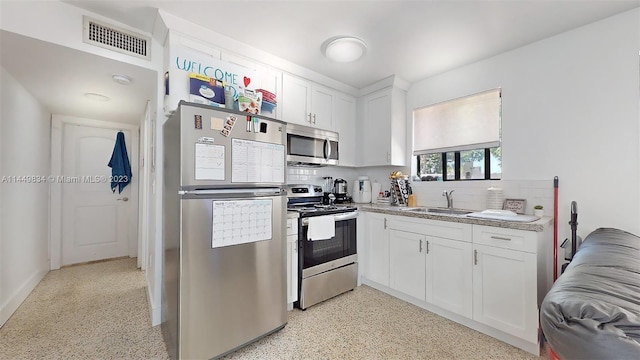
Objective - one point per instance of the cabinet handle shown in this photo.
(420, 245)
(427, 246)
(501, 238)
(385, 223)
(475, 257)
(314, 119)
(309, 118)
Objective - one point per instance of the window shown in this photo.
(459, 139)
(461, 165)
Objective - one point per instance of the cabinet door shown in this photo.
(504, 291)
(293, 270)
(345, 125)
(296, 97)
(378, 240)
(407, 263)
(376, 129)
(322, 108)
(449, 275)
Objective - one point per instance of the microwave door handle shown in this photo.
(327, 149)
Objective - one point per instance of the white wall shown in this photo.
(570, 108)
(24, 212)
(60, 23)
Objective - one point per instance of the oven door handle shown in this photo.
(346, 216)
(337, 217)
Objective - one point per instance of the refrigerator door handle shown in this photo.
(232, 193)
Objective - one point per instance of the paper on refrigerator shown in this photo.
(257, 162)
(241, 221)
(209, 161)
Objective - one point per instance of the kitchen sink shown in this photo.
(442, 211)
(449, 211)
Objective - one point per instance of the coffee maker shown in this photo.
(337, 188)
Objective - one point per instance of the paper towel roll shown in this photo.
(495, 198)
(375, 191)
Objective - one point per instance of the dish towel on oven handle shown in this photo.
(321, 228)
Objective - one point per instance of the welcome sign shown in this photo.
(184, 60)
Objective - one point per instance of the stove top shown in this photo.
(317, 209)
(308, 201)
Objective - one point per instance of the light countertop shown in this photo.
(538, 225)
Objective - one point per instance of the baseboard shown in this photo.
(17, 298)
(154, 311)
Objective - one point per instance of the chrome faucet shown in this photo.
(449, 195)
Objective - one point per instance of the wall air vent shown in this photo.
(116, 39)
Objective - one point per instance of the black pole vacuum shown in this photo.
(574, 228)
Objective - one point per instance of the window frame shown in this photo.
(457, 164)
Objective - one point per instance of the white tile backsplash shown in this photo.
(473, 194)
(302, 175)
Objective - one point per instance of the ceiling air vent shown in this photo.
(113, 38)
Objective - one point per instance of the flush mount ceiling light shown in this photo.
(121, 79)
(96, 97)
(344, 49)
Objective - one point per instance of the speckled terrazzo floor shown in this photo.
(369, 324)
(94, 311)
(100, 311)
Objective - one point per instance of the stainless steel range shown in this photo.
(327, 250)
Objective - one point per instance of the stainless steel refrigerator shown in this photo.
(224, 218)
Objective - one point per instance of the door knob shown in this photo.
(124, 199)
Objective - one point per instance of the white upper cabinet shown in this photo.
(322, 100)
(383, 124)
(306, 103)
(295, 102)
(345, 124)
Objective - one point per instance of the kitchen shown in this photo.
(599, 48)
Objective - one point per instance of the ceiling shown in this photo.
(412, 39)
(60, 82)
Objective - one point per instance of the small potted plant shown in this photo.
(538, 211)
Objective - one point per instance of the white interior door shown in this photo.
(95, 221)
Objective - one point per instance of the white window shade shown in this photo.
(467, 123)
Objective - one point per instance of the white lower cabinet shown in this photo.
(292, 260)
(504, 291)
(407, 263)
(489, 278)
(378, 248)
(449, 275)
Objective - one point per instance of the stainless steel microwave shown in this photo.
(307, 146)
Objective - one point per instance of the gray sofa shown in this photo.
(593, 309)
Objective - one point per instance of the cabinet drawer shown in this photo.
(505, 238)
(292, 226)
(441, 229)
